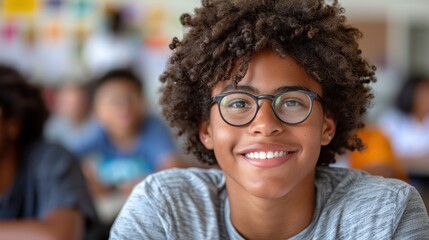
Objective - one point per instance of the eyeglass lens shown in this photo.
(240, 108)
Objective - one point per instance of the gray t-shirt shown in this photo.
(193, 204)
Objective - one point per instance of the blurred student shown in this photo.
(407, 125)
(378, 157)
(70, 120)
(131, 143)
(43, 193)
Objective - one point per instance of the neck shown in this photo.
(124, 141)
(257, 218)
(78, 121)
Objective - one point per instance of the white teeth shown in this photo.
(266, 155)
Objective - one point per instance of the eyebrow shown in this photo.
(253, 90)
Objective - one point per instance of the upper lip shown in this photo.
(266, 147)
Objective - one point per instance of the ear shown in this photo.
(206, 134)
(328, 130)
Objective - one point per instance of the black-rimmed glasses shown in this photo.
(291, 106)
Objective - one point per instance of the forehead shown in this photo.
(118, 85)
(267, 72)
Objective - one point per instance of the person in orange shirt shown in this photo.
(378, 157)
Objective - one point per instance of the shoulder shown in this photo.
(156, 134)
(178, 181)
(342, 180)
(182, 188)
(360, 193)
(45, 152)
(358, 204)
(95, 136)
(356, 194)
(178, 203)
(153, 122)
(50, 158)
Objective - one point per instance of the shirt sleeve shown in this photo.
(414, 221)
(159, 138)
(60, 182)
(141, 217)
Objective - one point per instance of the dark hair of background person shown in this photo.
(115, 75)
(116, 21)
(23, 102)
(224, 34)
(405, 98)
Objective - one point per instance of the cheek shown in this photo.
(314, 146)
(104, 114)
(310, 136)
(138, 108)
(101, 111)
(224, 137)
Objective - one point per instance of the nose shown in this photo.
(265, 123)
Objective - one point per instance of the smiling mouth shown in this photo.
(266, 155)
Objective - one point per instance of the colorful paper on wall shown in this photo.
(9, 32)
(54, 4)
(54, 32)
(155, 33)
(18, 7)
(82, 7)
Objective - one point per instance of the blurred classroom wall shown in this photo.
(395, 39)
(45, 38)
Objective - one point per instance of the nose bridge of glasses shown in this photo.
(263, 97)
(265, 119)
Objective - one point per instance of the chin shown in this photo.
(269, 189)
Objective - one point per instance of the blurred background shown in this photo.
(56, 43)
(59, 40)
(53, 40)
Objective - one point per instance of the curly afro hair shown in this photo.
(224, 33)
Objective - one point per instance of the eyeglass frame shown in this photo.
(312, 95)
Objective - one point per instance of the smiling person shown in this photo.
(271, 92)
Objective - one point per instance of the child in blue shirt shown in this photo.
(129, 143)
